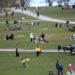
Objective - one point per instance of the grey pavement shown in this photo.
(41, 17)
(22, 50)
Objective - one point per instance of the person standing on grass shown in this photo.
(38, 50)
(25, 61)
(31, 37)
(37, 13)
(17, 52)
(70, 68)
(12, 13)
(59, 48)
(7, 22)
(59, 67)
(42, 36)
(6, 13)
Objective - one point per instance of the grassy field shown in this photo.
(55, 36)
(17, 16)
(56, 12)
(10, 65)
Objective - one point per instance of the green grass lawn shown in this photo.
(56, 12)
(10, 65)
(55, 36)
(17, 16)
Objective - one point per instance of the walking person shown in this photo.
(59, 68)
(37, 13)
(31, 37)
(70, 68)
(59, 48)
(12, 13)
(6, 14)
(7, 22)
(42, 36)
(38, 50)
(17, 52)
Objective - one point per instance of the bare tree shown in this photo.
(50, 2)
(5, 3)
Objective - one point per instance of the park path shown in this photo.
(22, 50)
(41, 17)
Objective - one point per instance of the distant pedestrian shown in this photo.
(42, 36)
(31, 37)
(67, 24)
(25, 8)
(59, 68)
(56, 24)
(12, 13)
(6, 14)
(70, 68)
(37, 13)
(17, 52)
(38, 50)
(7, 22)
(59, 48)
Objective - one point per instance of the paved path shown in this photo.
(41, 17)
(22, 50)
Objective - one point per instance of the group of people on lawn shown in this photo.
(59, 67)
(41, 39)
(25, 61)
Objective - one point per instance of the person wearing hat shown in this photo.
(70, 68)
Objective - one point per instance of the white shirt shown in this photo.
(31, 35)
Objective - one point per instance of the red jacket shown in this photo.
(70, 67)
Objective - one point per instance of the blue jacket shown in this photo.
(59, 66)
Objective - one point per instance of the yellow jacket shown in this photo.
(37, 49)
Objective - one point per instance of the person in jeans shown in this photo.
(59, 67)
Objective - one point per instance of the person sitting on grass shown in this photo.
(42, 36)
(25, 61)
